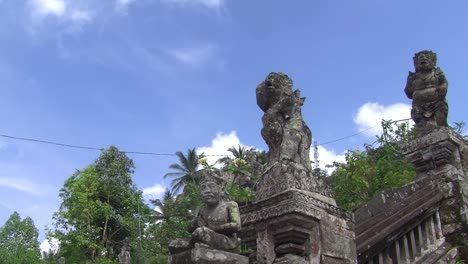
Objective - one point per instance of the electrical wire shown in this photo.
(163, 154)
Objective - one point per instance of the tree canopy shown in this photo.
(18, 241)
(101, 207)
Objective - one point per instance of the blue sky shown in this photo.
(168, 75)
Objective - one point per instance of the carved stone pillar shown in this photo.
(298, 223)
(294, 220)
(442, 154)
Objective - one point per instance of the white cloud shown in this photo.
(327, 157)
(370, 115)
(154, 192)
(48, 7)
(47, 245)
(19, 184)
(195, 56)
(68, 13)
(210, 4)
(220, 145)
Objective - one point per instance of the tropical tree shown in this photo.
(171, 219)
(185, 170)
(18, 241)
(380, 165)
(101, 207)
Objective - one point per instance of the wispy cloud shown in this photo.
(210, 4)
(69, 14)
(19, 184)
(121, 5)
(48, 7)
(369, 116)
(195, 56)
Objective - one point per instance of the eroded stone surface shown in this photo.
(124, 255)
(214, 227)
(199, 255)
(427, 87)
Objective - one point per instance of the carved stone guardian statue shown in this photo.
(124, 256)
(288, 138)
(427, 87)
(214, 229)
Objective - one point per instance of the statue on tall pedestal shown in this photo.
(214, 229)
(284, 130)
(427, 87)
(288, 138)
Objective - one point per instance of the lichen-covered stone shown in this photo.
(199, 255)
(214, 227)
(427, 86)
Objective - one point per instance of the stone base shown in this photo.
(281, 176)
(433, 152)
(296, 226)
(207, 256)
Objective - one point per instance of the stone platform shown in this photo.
(200, 255)
(298, 223)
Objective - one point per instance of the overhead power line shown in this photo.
(359, 132)
(89, 148)
(162, 154)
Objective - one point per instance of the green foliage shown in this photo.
(364, 173)
(18, 241)
(242, 195)
(100, 208)
(458, 128)
(173, 215)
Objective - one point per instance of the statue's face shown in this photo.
(424, 62)
(211, 193)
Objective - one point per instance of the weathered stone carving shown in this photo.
(284, 129)
(214, 229)
(288, 138)
(427, 87)
(124, 256)
(294, 219)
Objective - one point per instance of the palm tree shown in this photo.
(185, 170)
(162, 211)
(238, 152)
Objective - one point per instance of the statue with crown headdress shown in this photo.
(214, 228)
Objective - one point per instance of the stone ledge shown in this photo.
(291, 201)
(207, 256)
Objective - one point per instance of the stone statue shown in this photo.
(61, 260)
(215, 226)
(284, 129)
(124, 256)
(427, 87)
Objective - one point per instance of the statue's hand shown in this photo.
(227, 228)
(200, 222)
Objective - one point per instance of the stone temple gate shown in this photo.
(295, 219)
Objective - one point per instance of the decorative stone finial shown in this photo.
(284, 130)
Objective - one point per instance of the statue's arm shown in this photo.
(409, 86)
(234, 223)
(443, 83)
(196, 222)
